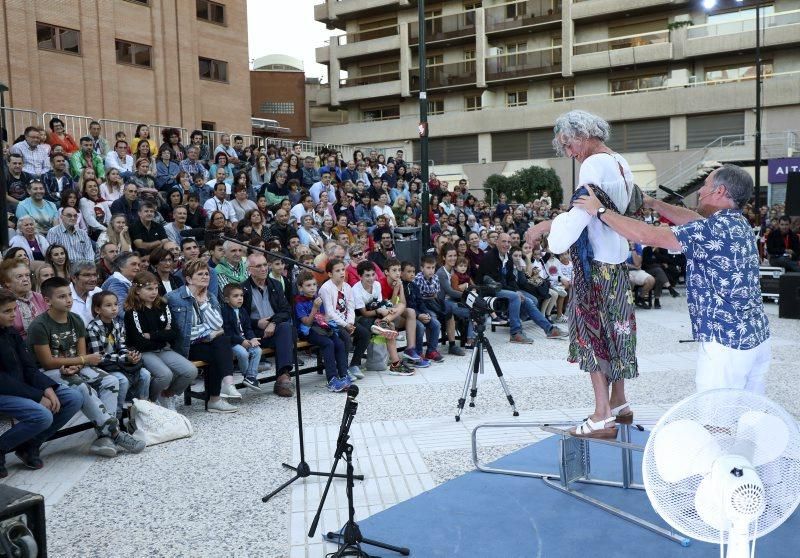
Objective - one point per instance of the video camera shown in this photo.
(484, 299)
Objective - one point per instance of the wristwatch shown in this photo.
(600, 212)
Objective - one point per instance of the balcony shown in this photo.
(445, 76)
(333, 12)
(447, 29)
(599, 9)
(521, 65)
(620, 51)
(514, 16)
(370, 86)
(364, 44)
(782, 28)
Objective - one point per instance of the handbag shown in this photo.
(377, 354)
(153, 424)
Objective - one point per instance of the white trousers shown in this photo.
(719, 366)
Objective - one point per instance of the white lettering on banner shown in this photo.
(786, 169)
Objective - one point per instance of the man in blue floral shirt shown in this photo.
(722, 282)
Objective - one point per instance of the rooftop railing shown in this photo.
(628, 41)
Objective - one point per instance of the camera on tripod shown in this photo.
(483, 298)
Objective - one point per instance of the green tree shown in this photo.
(527, 184)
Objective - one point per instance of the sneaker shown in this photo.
(657, 304)
(562, 319)
(221, 406)
(411, 354)
(30, 458)
(127, 442)
(253, 384)
(355, 372)
(168, 402)
(401, 337)
(104, 447)
(555, 333)
(455, 350)
(421, 363)
(383, 332)
(229, 391)
(434, 356)
(337, 384)
(521, 338)
(499, 322)
(400, 369)
(674, 293)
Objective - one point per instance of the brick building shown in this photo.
(278, 92)
(182, 63)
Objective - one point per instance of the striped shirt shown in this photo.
(77, 243)
(35, 161)
(205, 320)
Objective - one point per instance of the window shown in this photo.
(211, 11)
(142, 2)
(469, 61)
(472, 102)
(636, 83)
(277, 107)
(380, 113)
(133, 54)
(452, 150)
(745, 12)
(50, 37)
(512, 50)
(521, 145)
(517, 98)
(378, 69)
(469, 8)
(435, 106)
(563, 91)
(214, 70)
(207, 126)
(737, 72)
(643, 135)
(702, 129)
(516, 10)
(377, 29)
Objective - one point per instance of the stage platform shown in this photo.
(482, 515)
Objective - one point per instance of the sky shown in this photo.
(276, 27)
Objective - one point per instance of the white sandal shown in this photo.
(623, 418)
(600, 429)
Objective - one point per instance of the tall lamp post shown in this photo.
(3, 185)
(708, 5)
(423, 127)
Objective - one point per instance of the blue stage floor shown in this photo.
(482, 515)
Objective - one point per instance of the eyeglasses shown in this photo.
(356, 254)
(259, 266)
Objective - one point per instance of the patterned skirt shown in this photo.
(603, 327)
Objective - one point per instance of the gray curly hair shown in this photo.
(579, 124)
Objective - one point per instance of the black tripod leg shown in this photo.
(338, 537)
(499, 373)
(471, 370)
(308, 472)
(478, 364)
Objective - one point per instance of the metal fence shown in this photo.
(111, 127)
(19, 119)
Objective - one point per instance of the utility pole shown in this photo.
(3, 185)
(423, 128)
(758, 110)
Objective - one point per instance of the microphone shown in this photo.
(352, 392)
(670, 192)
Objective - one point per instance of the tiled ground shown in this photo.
(406, 441)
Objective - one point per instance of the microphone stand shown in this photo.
(302, 470)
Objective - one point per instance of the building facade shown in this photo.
(674, 80)
(180, 63)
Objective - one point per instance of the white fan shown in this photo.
(723, 466)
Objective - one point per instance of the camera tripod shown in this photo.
(476, 366)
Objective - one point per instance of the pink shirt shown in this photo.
(26, 311)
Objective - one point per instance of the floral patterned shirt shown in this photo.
(722, 281)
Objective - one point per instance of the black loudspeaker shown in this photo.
(789, 302)
(22, 524)
(793, 194)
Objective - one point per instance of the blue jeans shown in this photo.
(433, 329)
(35, 424)
(283, 343)
(334, 353)
(248, 360)
(460, 312)
(528, 307)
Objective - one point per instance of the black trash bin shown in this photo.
(408, 244)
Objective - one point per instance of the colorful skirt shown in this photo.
(603, 327)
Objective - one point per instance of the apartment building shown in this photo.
(675, 80)
(181, 63)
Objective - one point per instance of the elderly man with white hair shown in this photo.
(232, 267)
(722, 280)
(34, 244)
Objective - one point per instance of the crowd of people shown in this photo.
(130, 261)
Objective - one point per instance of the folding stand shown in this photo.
(575, 466)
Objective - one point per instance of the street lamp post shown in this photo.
(3, 185)
(423, 127)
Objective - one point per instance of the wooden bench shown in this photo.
(317, 367)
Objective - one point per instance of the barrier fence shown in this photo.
(111, 127)
(76, 125)
(19, 119)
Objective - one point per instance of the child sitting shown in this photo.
(58, 340)
(106, 337)
(319, 332)
(427, 324)
(245, 345)
(460, 279)
(373, 312)
(402, 316)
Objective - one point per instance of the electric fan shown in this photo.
(723, 466)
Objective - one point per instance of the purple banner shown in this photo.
(780, 168)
